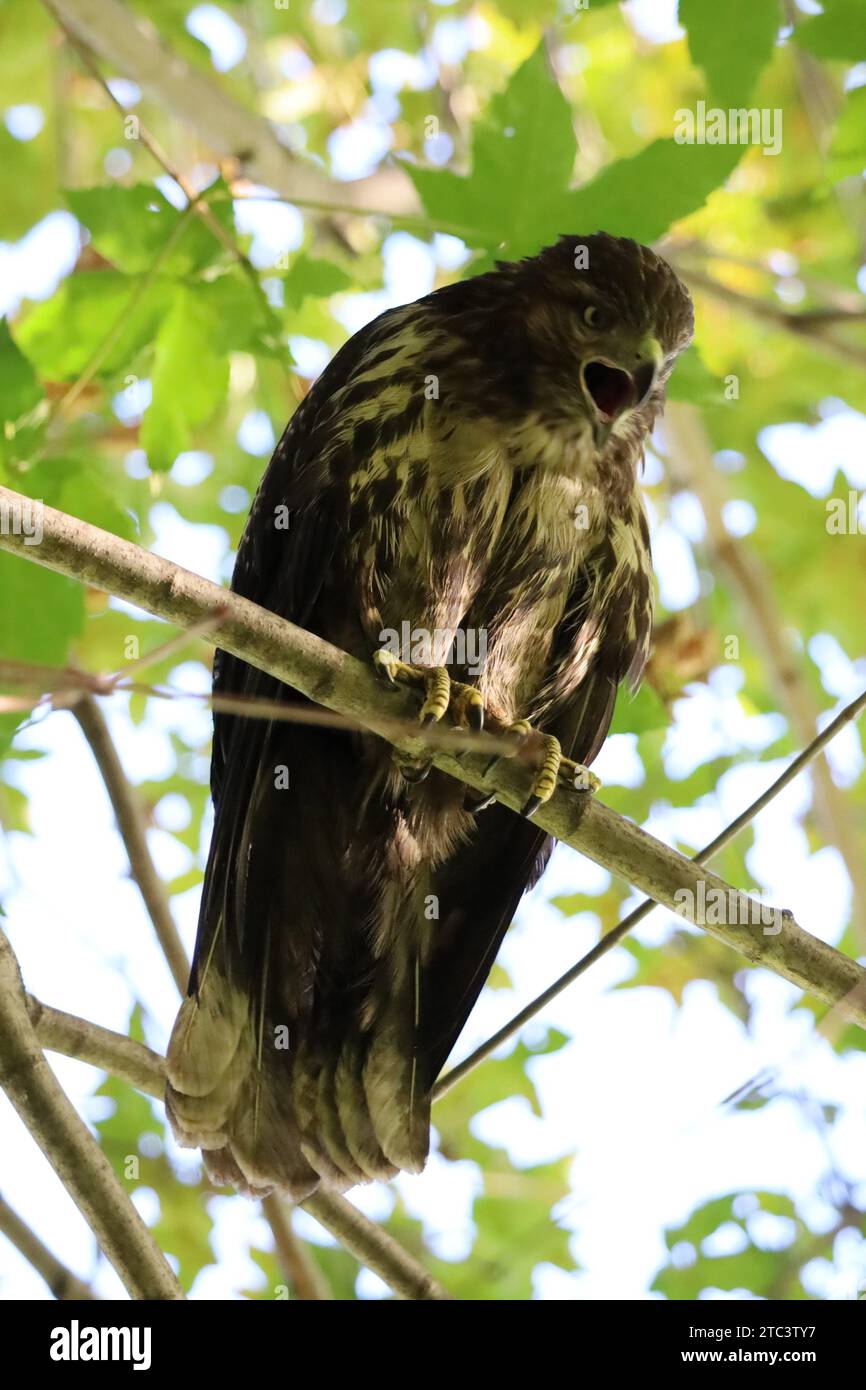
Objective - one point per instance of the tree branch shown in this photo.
(373, 1246)
(133, 832)
(334, 679)
(135, 49)
(691, 461)
(60, 1280)
(71, 1149)
(816, 328)
(307, 1279)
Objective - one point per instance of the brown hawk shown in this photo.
(467, 465)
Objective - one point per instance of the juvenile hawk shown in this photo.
(466, 464)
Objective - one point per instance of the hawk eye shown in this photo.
(592, 316)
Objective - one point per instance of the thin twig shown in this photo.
(691, 461)
(226, 127)
(131, 823)
(815, 328)
(60, 1280)
(199, 204)
(71, 1149)
(307, 1280)
(62, 687)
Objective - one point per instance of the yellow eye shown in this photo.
(592, 316)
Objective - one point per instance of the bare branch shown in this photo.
(131, 824)
(334, 679)
(691, 461)
(112, 1052)
(71, 1149)
(815, 328)
(373, 1246)
(60, 1280)
(306, 1278)
(134, 48)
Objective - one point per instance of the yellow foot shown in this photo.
(545, 752)
(441, 696)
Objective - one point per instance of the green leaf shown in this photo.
(638, 713)
(840, 32)
(522, 159)
(131, 226)
(642, 196)
(732, 47)
(189, 379)
(238, 318)
(19, 388)
(311, 278)
(517, 200)
(61, 335)
(847, 153)
(692, 381)
(41, 612)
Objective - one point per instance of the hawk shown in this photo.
(467, 464)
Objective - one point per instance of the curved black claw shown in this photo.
(414, 773)
(532, 806)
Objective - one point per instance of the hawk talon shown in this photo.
(553, 769)
(437, 685)
(413, 770)
(578, 778)
(545, 782)
(467, 707)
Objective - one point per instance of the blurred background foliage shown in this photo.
(151, 377)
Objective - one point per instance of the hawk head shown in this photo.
(606, 319)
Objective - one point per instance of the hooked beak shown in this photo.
(610, 388)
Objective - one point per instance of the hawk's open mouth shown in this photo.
(611, 390)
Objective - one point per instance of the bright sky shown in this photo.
(636, 1095)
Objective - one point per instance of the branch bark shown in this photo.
(307, 1280)
(60, 1280)
(813, 328)
(71, 1149)
(332, 678)
(130, 823)
(691, 461)
(134, 48)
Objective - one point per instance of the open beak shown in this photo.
(610, 388)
